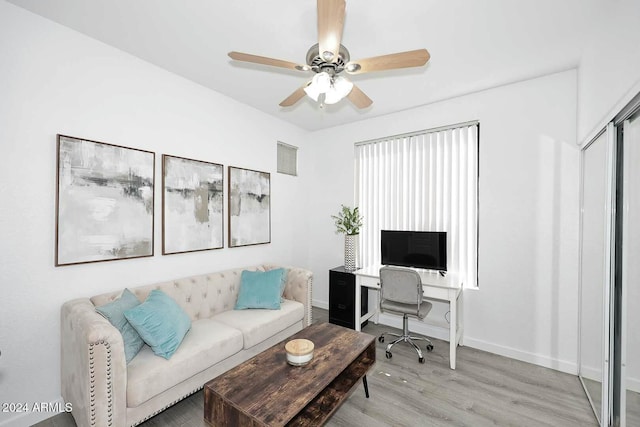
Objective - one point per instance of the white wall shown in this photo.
(54, 80)
(528, 261)
(609, 72)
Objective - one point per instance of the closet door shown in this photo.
(630, 372)
(595, 272)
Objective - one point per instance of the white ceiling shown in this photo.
(474, 45)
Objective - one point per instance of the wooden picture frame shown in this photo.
(249, 207)
(192, 205)
(104, 202)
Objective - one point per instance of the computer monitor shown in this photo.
(418, 249)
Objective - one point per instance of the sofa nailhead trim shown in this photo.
(92, 387)
(309, 307)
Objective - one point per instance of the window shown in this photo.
(287, 159)
(424, 181)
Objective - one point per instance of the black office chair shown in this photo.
(401, 293)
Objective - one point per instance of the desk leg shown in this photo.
(453, 329)
(461, 320)
(357, 308)
(376, 304)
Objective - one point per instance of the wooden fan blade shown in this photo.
(412, 58)
(294, 97)
(330, 26)
(246, 57)
(359, 98)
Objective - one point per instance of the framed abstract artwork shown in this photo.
(249, 207)
(104, 202)
(192, 205)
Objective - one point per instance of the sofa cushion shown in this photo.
(261, 289)
(114, 313)
(259, 324)
(161, 323)
(207, 343)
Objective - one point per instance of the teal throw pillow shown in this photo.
(261, 289)
(161, 323)
(114, 313)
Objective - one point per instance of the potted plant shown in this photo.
(348, 222)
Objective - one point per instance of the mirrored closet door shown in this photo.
(609, 336)
(630, 291)
(594, 283)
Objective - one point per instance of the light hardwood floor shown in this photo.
(484, 390)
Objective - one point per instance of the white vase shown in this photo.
(350, 248)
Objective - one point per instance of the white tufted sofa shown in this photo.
(105, 391)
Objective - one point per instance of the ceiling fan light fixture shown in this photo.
(327, 90)
(341, 87)
(321, 83)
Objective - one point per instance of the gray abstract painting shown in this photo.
(249, 207)
(192, 205)
(104, 202)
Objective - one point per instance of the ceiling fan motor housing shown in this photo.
(318, 64)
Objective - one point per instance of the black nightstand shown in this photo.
(342, 298)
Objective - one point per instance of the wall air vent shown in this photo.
(287, 159)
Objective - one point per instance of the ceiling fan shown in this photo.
(329, 58)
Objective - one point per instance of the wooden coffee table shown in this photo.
(267, 391)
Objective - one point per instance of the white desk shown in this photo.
(434, 286)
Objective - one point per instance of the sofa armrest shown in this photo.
(93, 368)
(299, 288)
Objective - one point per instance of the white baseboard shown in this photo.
(591, 373)
(524, 356)
(320, 304)
(633, 384)
(37, 411)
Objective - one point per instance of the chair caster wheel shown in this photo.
(421, 359)
(388, 354)
(429, 347)
(380, 339)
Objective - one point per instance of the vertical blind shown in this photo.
(426, 181)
